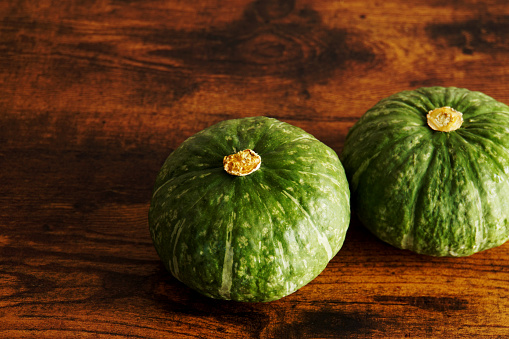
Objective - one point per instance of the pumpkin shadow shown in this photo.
(364, 246)
(177, 301)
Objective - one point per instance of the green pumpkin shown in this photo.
(249, 209)
(429, 171)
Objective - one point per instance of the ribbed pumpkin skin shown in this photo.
(254, 238)
(435, 193)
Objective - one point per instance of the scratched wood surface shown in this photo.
(94, 95)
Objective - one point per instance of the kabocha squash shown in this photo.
(249, 209)
(429, 171)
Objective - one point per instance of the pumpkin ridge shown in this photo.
(405, 108)
(324, 175)
(173, 264)
(304, 137)
(359, 171)
(480, 136)
(206, 136)
(451, 98)
(178, 227)
(239, 135)
(487, 115)
(309, 219)
(417, 193)
(373, 128)
(258, 195)
(416, 122)
(322, 239)
(183, 177)
(272, 224)
(422, 95)
(470, 135)
(405, 105)
(402, 163)
(375, 114)
(464, 103)
(479, 190)
(404, 157)
(473, 102)
(227, 271)
(225, 185)
(387, 147)
(280, 259)
(210, 188)
(434, 97)
(262, 139)
(449, 150)
(430, 184)
(244, 138)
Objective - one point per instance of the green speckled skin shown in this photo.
(435, 193)
(254, 238)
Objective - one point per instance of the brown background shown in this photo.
(94, 95)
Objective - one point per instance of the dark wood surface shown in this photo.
(94, 95)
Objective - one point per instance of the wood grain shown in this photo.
(94, 95)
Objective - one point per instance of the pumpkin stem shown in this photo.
(444, 119)
(242, 163)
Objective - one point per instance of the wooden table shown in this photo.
(94, 95)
